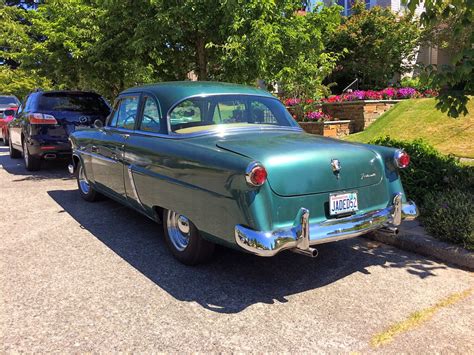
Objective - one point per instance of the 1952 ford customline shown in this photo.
(224, 163)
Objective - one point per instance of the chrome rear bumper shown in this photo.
(302, 234)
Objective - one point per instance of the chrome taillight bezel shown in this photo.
(397, 156)
(250, 171)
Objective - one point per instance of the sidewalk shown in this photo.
(413, 237)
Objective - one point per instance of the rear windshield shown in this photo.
(226, 111)
(8, 100)
(80, 102)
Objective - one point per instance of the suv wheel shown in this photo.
(14, 153)
(32, 163)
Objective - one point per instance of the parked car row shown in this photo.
(8, 106)
(41, 127)
(216, 164)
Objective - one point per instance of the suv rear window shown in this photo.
(80, 102)
(8, 100)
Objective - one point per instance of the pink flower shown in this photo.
(315, 116)
(292, 102)
(389, 93)
(373, 95)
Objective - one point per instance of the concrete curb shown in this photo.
(423, 244)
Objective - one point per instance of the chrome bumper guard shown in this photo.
(302, 234)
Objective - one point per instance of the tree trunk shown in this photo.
(201, 58)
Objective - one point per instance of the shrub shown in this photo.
(442, 187)
(448, 216)
(430, 170)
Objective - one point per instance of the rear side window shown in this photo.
(151, 116)
(77, 102)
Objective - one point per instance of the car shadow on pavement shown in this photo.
(50, 169)
(233, 280)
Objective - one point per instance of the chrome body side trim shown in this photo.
(97, 156)
(302, 235)
(134, 187)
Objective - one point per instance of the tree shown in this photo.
(451, 25)
(110, 45)
(378, 44)
(16, 40)
(275, 42)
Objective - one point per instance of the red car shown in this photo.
(8, 107)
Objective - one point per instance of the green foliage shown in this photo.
(415, 82)
(448, 216)
(379, 44)
(442, 187)
(110, 45)
(20, 82)
(450, 25)
(274, 42)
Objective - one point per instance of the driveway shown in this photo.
(80, 277)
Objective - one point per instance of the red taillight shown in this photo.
(41, 118)
(402, 159)
(256, 175)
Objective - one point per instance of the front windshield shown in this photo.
(221, 111)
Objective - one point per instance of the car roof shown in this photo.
(73, 92)
(170, 93)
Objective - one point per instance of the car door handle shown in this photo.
(94, 149)
(125, 135)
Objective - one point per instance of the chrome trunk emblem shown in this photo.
(336, 166)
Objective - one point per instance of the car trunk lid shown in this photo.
(301, 164)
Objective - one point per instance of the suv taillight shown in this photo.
(402, 159)
(256, 175)
(41, 118)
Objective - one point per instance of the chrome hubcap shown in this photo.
(178, 230)
(83, 183)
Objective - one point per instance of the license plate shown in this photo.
(343, 203)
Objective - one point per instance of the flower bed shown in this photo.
(361, 95)
(385, 94)
(360, 107)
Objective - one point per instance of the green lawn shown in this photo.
(418, 118)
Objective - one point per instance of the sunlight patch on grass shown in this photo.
(416, 319)
(419, 118)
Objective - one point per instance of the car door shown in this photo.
(108, 150)
(142, 150)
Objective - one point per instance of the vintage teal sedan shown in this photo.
(227, 164)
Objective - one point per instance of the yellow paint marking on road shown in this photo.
(417, 318)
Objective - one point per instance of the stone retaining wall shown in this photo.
(361, 113)
(334, 129)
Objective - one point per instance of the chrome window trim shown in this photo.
(216, 132)
(168, 118)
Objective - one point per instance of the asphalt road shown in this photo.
(81, 277)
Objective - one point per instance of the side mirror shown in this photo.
(9, 112)
(98, 124)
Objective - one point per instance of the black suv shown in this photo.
(44, 122)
